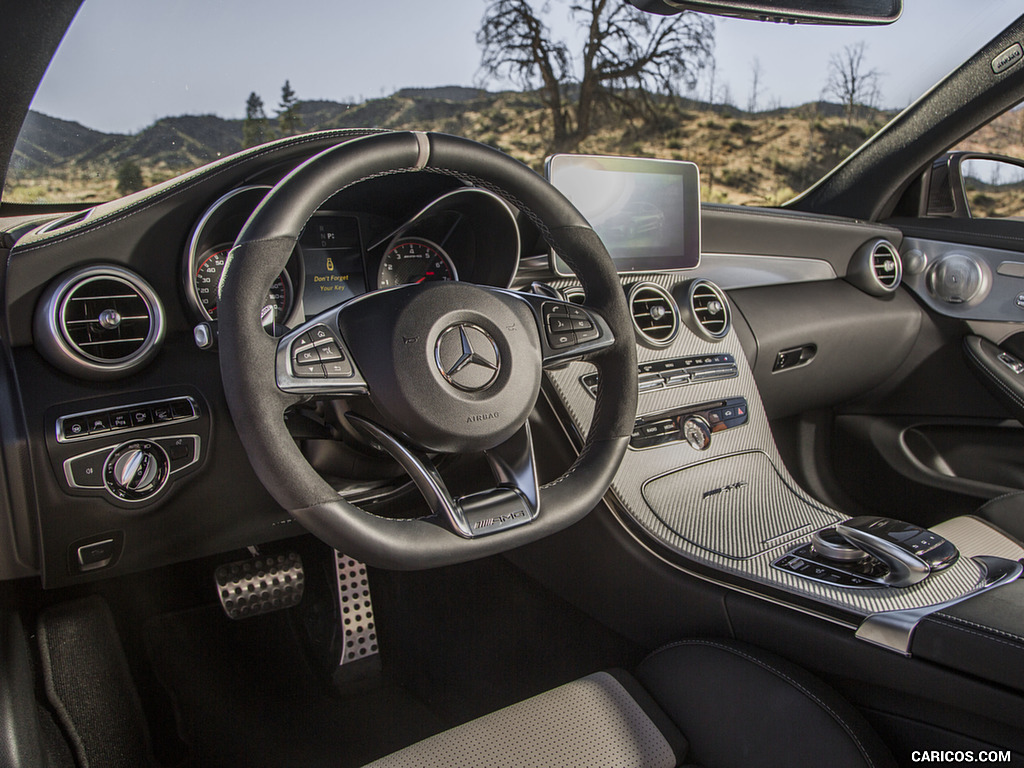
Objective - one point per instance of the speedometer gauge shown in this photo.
(414, 260)
(207, 279)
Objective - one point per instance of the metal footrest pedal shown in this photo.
(260, 585)
(360, 652)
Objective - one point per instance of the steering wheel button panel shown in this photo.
(306, 357)
(310, 371)
(561, 340)
(550, 309)
(339, 369)
(329, 351)
(559, 324)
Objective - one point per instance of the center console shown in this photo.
(704, 486)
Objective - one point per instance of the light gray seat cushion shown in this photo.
(590, 723)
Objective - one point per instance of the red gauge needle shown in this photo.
(420, 280)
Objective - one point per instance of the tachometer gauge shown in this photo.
(207, 279)
(414, 260)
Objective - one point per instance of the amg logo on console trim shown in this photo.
(499, 519)
(724, 489)
(481, 417)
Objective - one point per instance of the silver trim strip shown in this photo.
(732, 271)
(894, 630)
(423, 147)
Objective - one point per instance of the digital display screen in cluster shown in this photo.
(333, 261)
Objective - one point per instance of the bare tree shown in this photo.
(628, 58)
(850, 81)
(756, 73)
(712, 71)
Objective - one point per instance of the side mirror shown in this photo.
(971, 185)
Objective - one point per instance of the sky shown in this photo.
(125, 63)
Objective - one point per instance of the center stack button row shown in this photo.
(317, 354)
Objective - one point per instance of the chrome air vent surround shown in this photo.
(99, 322)
(876, 268)
(707, 310)
(574, 294)
(655, 314)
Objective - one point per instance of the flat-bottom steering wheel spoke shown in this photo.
(314, 360)
(514, 501)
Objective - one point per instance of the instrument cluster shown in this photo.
(466, 234)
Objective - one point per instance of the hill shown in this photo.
(746, 158)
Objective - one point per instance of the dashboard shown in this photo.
(136, 464)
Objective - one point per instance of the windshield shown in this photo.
(139, 92)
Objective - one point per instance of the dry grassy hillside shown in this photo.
(754, 159)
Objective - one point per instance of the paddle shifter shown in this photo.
(866, 552)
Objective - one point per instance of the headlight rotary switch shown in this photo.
(136, 471)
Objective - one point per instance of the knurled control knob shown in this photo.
(829, 544)
(697, 432)
(136, 471)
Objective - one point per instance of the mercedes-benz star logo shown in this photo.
(467, 357)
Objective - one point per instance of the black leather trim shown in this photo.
(983, 636)
(1007, 386)
(257, 406)
(741, 706)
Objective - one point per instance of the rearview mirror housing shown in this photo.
(836, 12)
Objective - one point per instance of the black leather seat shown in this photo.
(711, 703)
(1007, 513)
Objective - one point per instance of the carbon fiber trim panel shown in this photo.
(763, 519)
(736, 506)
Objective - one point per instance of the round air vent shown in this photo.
(655, 314)
(876, 268)
(99, 322)
(707, 310)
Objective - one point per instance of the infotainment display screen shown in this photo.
(646, 211)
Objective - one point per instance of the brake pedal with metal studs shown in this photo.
(357, 618)
(260, 585)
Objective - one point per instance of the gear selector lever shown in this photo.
(910, 552)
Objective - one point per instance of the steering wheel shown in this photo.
(448, 367)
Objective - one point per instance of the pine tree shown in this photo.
(129, 178)
(289, 121)
(256, 128)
